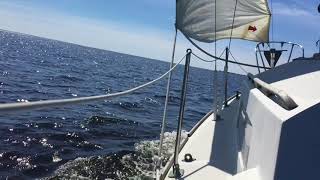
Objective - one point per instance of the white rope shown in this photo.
(62, 102)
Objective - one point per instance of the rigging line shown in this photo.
(215, 29)
(219, 58)
(164, 118)
(234, 16)
(7, 107)
(215, 82)
(200, 58)
(272, 21)
(215, 91)
(238, 64)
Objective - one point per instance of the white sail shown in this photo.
(196, 19)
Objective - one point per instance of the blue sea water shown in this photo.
(114, 139)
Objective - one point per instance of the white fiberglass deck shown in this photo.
(214, 146)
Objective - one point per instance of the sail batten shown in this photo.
(196, 19)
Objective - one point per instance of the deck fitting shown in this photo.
(176, 173)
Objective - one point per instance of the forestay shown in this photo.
(197, 19)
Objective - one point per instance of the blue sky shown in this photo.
(143, 27)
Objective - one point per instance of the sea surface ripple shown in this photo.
(116, 138)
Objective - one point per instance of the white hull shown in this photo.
(257, 136)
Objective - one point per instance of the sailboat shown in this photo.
(267, 131)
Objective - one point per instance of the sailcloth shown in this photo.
(197, 19)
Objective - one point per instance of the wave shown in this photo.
(68, 78)
(137, 164)
(171, 98)
(133, 106)
(151, 101)
(102, 120)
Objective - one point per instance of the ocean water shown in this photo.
(115, 139)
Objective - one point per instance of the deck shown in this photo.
(214, 148)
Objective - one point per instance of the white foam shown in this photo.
(137, 165)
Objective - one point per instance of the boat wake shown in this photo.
(137, 164)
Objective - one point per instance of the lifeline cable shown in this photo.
(7, 107)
